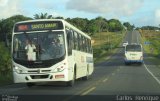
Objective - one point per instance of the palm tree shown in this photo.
(43, 16)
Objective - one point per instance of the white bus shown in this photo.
(133, 54)
(50, 50)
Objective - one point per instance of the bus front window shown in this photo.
(38, 46)
(133, 48)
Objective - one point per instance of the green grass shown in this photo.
(105, 44)
(154, 40)
(153, 55)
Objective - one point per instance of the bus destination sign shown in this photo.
(38, 26)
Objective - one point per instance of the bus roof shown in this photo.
(63, 21)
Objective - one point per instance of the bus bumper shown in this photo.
(24, 78)
(133, 61)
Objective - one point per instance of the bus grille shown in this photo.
(39, 76)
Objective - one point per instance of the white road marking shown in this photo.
(113, 74)
(152, 74)
(105, 80)
(88, 91)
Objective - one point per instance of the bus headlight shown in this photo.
(17, 69)
(59, 69)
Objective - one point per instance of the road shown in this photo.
(110, 77)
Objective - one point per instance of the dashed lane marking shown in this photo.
(88, 91)
(105, 80)
(113, 74)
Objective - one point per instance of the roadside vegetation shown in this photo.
(105, 44)
(106, 34)
(151, 41)
(5, 65)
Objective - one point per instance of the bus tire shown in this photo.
(30, 84)
(72, 82)
(87, 75)
(126, 63)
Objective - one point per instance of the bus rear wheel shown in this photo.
(87, 75)
(127, 63)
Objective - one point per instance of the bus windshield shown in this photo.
(133, 48)
(38, 46)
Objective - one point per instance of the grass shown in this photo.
(105, 44)
(152, 50)
(154, 39)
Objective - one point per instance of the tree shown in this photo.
(149, 28)
(102, 24)
(128, 26)
(115, 25)
(79, 23)
(92, 27)
(5, 60)
(6, 26)
(59, 17)
(43, 16)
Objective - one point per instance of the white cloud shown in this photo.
(46, 5)
(3, 2)
(114, 7)
(51, 7)
(144, 21)
(9, 8)
(157, 17)
(50, 4)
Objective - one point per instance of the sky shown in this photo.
(137, 12)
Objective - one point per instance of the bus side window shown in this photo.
(87, 45)
(81, 43)
(79, 40)
(90, 47)
(75, 40)
(69, 41)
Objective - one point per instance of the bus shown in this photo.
(50, 50)
(133, 53)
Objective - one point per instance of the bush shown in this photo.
(5, 59)
(96, 52)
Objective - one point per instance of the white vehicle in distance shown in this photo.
(133, 54)
(125, 43)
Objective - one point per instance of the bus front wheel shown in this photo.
(30, 84)
(71, 83)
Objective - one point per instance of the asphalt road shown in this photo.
(112, 80)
